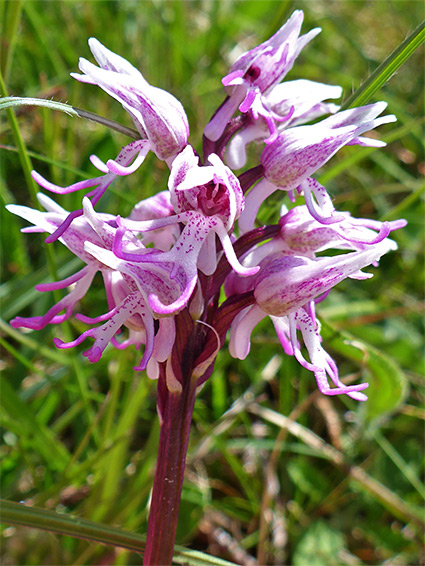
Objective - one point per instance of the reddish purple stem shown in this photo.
(176, 413)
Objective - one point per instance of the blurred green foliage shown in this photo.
(342, 486)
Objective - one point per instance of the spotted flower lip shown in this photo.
(285, 290)
(287, 327)
(157, 115)
(125, 312)
(207, 200)
(292, 278)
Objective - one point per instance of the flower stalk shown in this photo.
(177, 385)
(176, 417)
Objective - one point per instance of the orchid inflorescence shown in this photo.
(170, 260)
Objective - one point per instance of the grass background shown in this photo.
(342, 485)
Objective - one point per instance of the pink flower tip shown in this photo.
(33, 323)
(357, 396)
(93, 355)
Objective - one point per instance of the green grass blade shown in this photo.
(405, 468)
(27, 426)
(49, 161)
(406, 203)
(27, 168)
(21, 358)
(15, 101)
(375, 488)
(9, 32)
(114, 464)
(386, 69)
(18, 514)
(35, 19)
(23, 154)
(50, 353)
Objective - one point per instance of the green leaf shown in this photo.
(386, 69)
(18, 514)
(15, 101)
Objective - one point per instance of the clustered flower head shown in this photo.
(169, 261)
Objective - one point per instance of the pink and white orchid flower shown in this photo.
(157, 115)
(165, 264)
(297, 153)
(257, 71)
(291, 279)
(292, 103)
(207, 199)
(126, 301)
